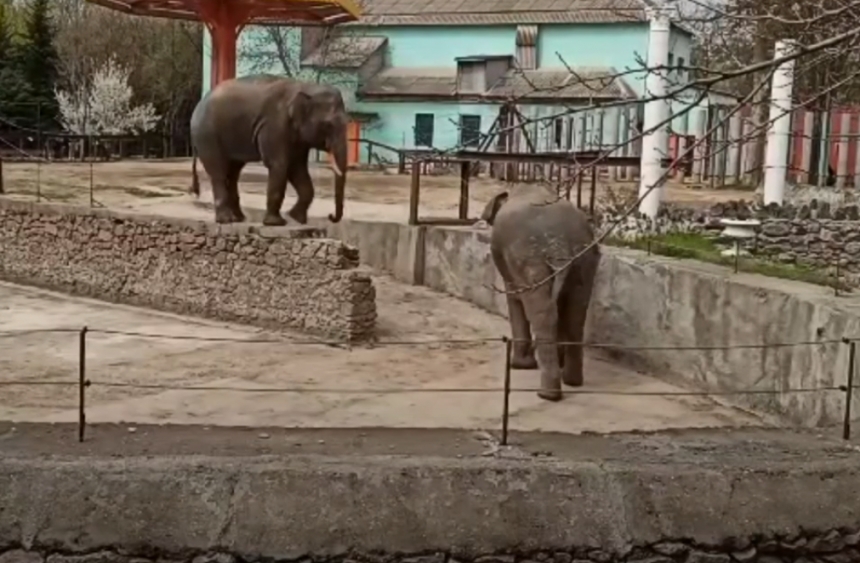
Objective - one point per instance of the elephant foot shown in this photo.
(274, 220)
(224, 216)
(553, 395)
(301, 217)
(572, 379)
(238, 215)
(524, 363)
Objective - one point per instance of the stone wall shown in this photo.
(272, 277)
(814, 234)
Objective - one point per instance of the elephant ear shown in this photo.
(299, 106)
(492, 208)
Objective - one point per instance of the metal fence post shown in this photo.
(507, 393)
(849, 388)
(82, 383)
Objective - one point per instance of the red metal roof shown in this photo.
(261, 11)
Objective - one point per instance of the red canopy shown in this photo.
(226, 18)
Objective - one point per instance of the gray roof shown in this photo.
(534, 85)
(420, 82)
(348, 51)
(489, 12)
(561, 83)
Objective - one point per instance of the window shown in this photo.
(558, 132)
(682, 72)
(424, 129)
(471, 76)
(671, 63)
(470, 131)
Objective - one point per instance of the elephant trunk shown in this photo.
(338, 153)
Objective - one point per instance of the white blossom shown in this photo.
(103, 106)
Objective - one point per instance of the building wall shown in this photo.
(621, 46)
(615, 45)
(438, 46)
(396, 123)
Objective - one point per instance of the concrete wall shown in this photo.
(601, 502)
(657, 301)
(282, 277)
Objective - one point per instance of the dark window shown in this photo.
(424, 129)
(470, 130)
(559, 132)
(682, 72)
(671, 61)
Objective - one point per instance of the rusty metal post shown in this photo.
(593, 190)
(82, 383)
(579, 173)
(849, 388)
(465, 172)
(506, 404)
(836, 280)
(413, 191)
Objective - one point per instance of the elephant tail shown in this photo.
(195, 180)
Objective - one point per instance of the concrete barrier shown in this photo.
(273, 277)
(696, 497)
(647, 301)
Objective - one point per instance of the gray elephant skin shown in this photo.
(534, 234)
(276, 121)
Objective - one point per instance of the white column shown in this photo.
(655, 145)
(779, 132)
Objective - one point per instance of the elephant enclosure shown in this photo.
(339, 387)
(405, 313)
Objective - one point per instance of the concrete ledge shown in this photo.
(272, 277)
(619, 495)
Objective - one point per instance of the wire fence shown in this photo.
(83, 382)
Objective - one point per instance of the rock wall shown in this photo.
(814, 234)
(272, 277)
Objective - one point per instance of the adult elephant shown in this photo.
(275, 120)
(534, 235)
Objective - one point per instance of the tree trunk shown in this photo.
(760, 112)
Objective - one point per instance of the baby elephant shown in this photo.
(534, 234)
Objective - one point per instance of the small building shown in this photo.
(437, 73)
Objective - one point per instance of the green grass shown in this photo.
(706, 249)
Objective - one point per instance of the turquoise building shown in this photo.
(434, 72)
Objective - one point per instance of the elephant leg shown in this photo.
(275, 192)
(563, 333)
(219, 178)
(234, 171)
(543, 316)
(524, 354)
(577, 299)
(300, 178)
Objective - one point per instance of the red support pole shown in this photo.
(224, 19)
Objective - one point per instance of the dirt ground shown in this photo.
(337, 387)
(146, 183)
